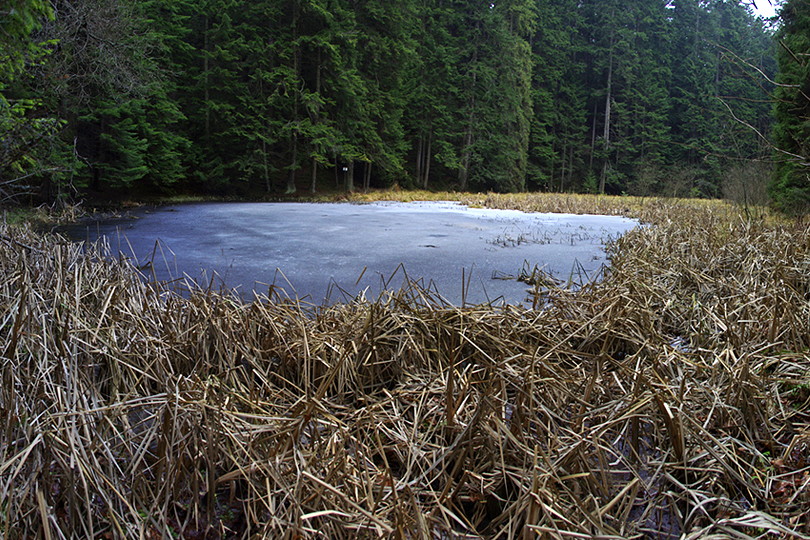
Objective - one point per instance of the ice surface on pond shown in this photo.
(317, 246)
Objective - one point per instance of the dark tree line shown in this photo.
(244, 98)
(790, 188)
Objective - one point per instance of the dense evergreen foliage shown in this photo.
(790, 188)
(24, 130)
(268, 96)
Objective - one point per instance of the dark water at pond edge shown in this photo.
(310, 249)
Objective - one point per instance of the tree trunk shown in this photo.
(593, 137)
(367, 177)
(349, 180)
(466, 156)
(293, 165)
(207, 91)
(571, 165)
(313, 187)
(551, 165)
(100, 155)
(608, 97)
(427, 160)
(315, 115)
(265, 163)
(337, 168)
(267, 185)
(419, 149)
(294, 136)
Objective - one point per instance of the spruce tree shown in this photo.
(104, 79)
(208, 91)
(28, 133)
(558, 96)
(386, 49)
(234, 97)
(433, 94)
(790, 186)
(495, 73)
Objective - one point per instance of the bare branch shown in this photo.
(738, 58)
(791, 53)
(801, 159)
(35, 173)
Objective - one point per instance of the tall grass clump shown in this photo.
(671, 399)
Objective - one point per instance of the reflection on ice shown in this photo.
(357, 248)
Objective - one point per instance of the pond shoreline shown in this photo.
(359, 247)
(673, 396)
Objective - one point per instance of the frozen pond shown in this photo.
(350, 248)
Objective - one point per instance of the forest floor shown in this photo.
(671, 399)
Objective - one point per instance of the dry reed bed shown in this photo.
(671, 399)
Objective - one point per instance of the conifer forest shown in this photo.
(246, 99)
(665, 395)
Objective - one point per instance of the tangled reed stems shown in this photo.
(671, 399)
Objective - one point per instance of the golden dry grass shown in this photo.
(672, 399)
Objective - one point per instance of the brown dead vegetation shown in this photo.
(671, 399)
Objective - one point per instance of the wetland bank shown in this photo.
(667, 400)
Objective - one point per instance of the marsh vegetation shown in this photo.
(670, 399)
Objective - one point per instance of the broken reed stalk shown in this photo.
(670, 399)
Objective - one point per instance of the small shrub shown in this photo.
(746, 183)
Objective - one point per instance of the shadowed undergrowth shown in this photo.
(672, 398)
